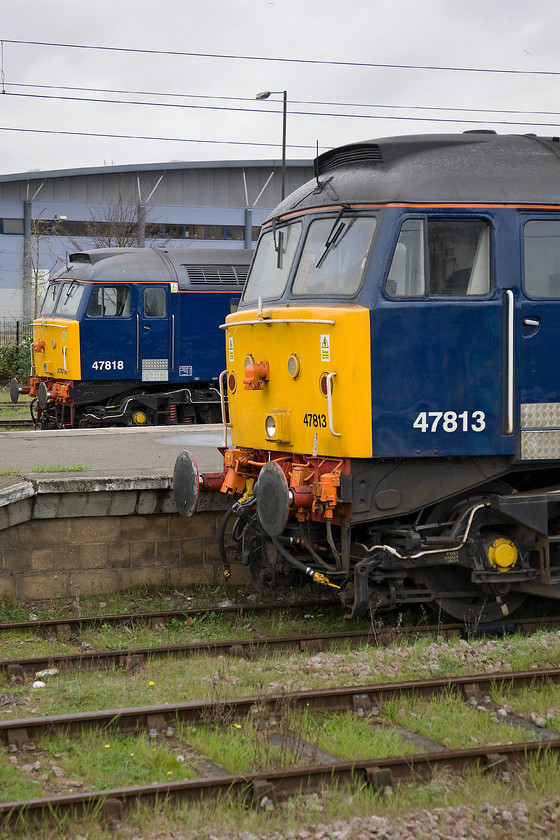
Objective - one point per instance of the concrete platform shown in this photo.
(111, 452)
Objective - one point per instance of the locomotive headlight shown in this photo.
(277, 426)
(294, 366)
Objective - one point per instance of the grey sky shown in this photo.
(521, 35)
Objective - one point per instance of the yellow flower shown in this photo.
(107, 746)
(237, 725)
(151, 682)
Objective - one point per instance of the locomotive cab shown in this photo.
(129, 337)
(391, 376)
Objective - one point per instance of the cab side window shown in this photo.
(154, 302)
(109, 302)
(541, 240)
(441, 258)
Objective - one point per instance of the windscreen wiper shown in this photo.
(335, 232)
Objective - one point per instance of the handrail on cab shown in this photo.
(330, 377)
(223, 407)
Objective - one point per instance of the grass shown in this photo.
(60, 468)
(107, 761)
(46, 468)
(242, 746)
(449, 721)
(14, 784)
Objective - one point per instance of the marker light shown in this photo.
(270, 426)
(294, 366)
(323, 384)
(232, 383)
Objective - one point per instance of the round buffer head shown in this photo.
(14, 390)
(42, 396)
(185, 484)
(273, 501)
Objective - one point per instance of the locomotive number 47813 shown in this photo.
(450, 421)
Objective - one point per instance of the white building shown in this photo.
(44, 216)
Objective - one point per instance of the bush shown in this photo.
(15, 362)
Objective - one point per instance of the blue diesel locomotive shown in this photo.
(394, 383)
(129, 336)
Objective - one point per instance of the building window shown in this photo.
(194, 231)
(235, 232)
(11, 226)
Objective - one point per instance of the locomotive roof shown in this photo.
(186, 266)
(477, 167)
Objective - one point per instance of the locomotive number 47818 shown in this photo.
(450, 421)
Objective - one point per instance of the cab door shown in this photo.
(538, 340)
(154, 333)
(437, 356)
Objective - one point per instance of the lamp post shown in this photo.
(264, 95)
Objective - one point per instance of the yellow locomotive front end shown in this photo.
(298, 380)
(56, 348)
(56, 360)
(299, 370)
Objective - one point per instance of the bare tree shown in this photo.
(119, 223)
(43, 258)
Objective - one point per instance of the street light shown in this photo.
(264, 95)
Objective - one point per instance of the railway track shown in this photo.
(17, 424)
(267, 788)
(135, 657)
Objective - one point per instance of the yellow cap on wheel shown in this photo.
(502, 554)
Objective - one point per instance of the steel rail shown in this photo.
(280, 784)
(233, 647)
(254, 646)
(17, 424)
(510, 625)
(189, 612)
(141, 718)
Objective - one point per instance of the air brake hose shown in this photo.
(239, 509)
(316, 576)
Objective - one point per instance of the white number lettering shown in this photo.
(451, 421)
(103, 364)
(421, 422)
(479, 421)
(437, 417)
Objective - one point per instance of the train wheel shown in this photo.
(474, 605)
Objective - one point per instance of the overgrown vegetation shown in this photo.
(15, 361)
(103, 760)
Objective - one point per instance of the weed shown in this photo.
(60, 468)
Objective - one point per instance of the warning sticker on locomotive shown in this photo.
(325, 348)
(185, 370)
(230, 349)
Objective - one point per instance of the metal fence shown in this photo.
(13, 331)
